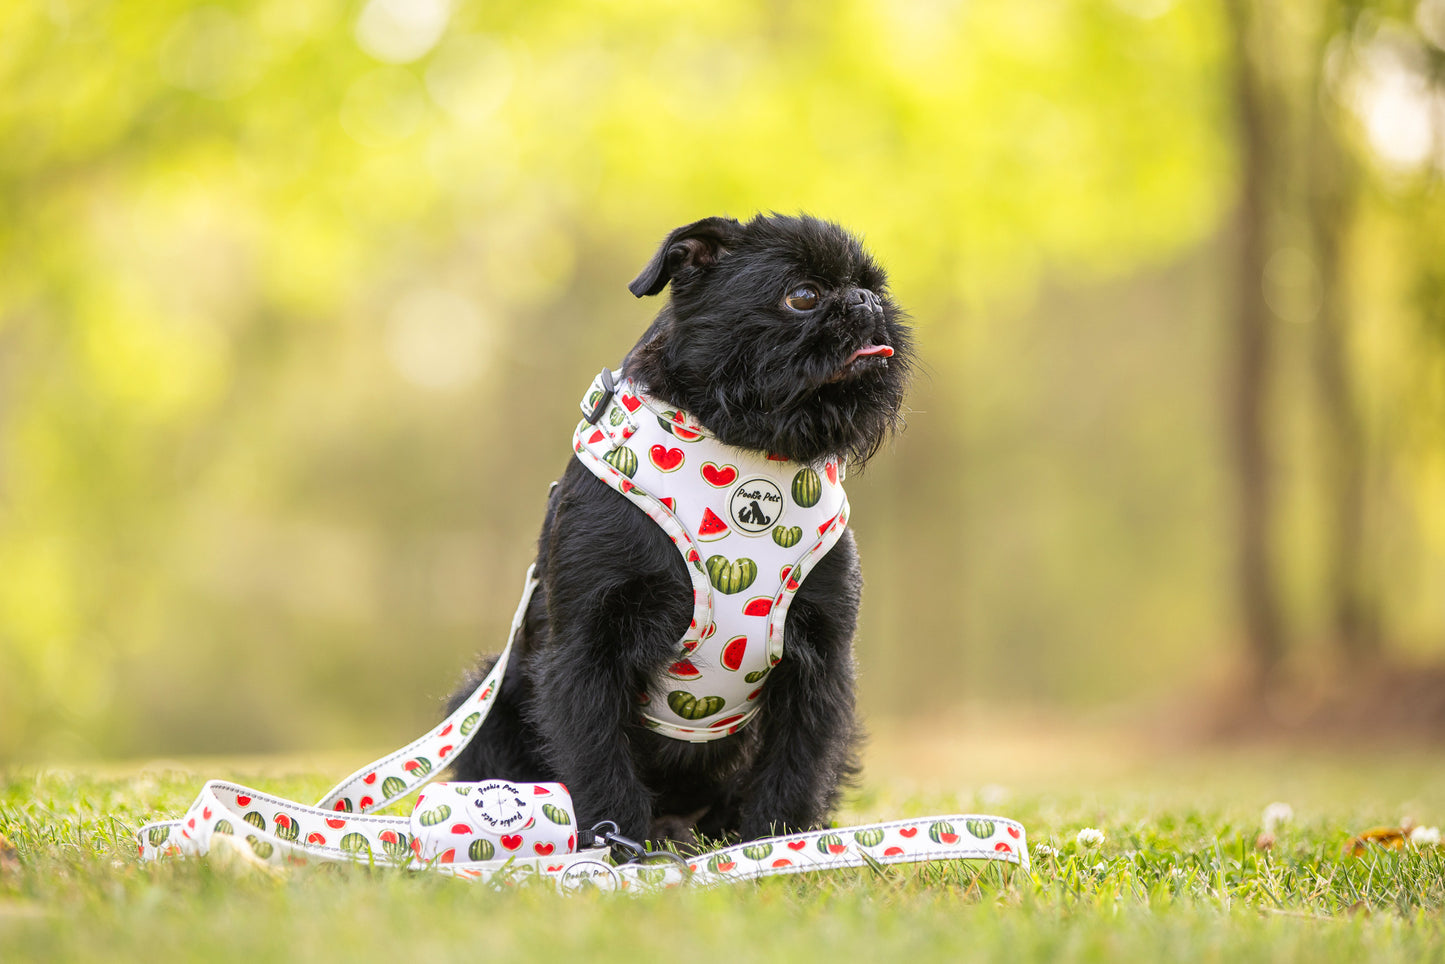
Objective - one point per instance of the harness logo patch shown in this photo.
(755, 505)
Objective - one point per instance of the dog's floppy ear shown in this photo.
(697, 245)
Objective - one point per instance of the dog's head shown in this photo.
(780, 336)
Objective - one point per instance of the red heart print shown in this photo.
(461, 828)
(553, 868)
(242, 801)
(315, 838)
(191, 823)
(1003, 848)
(908, 831)
(631, 402)
(335, 824)
(571, 843)
(369, 779)
(832, 471)
(511, 841)
(666, 459)
(719, 476)
(543, 849)
(442, 753)
(206, 813)
(797, 844)
(1013, 832)
(893, 851)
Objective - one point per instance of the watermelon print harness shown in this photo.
(749, 526)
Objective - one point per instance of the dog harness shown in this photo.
(749, 525)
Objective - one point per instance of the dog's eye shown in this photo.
(802, 298)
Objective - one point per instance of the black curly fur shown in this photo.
(615, 599)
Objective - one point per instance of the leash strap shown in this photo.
(502, 833)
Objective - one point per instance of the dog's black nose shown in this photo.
(865, 299)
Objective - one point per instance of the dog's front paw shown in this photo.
(675, 828)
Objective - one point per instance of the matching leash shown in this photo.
(503, 832)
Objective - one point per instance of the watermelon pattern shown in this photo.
(623, 460)
(396, 845)
(481, 849)
(869, 838)
(807, 488)
(731, 577)
(355, 843)
(434, 816)
(982, 829)
(787, 536)
(694, 492)
(690, 707)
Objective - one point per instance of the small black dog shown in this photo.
(761, 345)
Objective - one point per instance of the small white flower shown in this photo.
(1276, 815)
(1099, 867)
(1043, 850)
(1089, 837)
(1425, 837)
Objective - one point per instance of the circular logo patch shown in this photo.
(755, 505)
(500, 806)
(588, 874)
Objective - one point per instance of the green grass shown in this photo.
(1177, 878)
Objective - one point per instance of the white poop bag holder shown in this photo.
(504, 832)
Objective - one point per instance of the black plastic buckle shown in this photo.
(606, 833)
(609, 388)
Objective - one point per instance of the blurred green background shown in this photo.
(298, 296)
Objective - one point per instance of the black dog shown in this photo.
(760, 343)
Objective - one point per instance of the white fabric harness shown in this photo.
(749, 526)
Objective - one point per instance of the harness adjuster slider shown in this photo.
(608, 388)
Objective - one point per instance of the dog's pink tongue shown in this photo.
(882, 351)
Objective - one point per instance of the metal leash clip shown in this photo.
(609, 834)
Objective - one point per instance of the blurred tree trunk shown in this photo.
(1332, 187)
(1258, 128)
